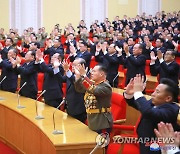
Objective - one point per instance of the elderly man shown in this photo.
(97, 97)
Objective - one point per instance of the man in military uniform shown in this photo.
(97, 97)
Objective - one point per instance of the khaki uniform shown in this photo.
(97, 102)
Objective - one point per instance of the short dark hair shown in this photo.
(172, 88)
(102, 68)
(33, 53)
(173, 53)
(10, 40)
(37, 44)
(82, 41)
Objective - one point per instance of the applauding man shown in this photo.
(97, 97)
(160, 108)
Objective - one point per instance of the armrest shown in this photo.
(120, 121)
(124, 127)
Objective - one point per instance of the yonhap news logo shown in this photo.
(155, 144)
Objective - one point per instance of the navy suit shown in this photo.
(170, 71)
(4, 52)
(29, 75)
(10, 83)
(85, 55)
(74, 101)
(112, 64)
(52, 85)
(151, 116)
(134, 65)
(68, 45)
(51, 51)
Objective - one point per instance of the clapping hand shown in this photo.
(66, 65)
(119, 50)
(159, 54)
(167, 131)
(39, 55)
(153, 57)
(138, 83)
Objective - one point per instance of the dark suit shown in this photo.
(134, 65)
(52, 85)
(4, 52)
(51, 51)
(74, 101)
(85, 55)
(112, 64)
(151, 116)
(29, 75)
(68, 45)
(170, 71)
(10, 83)
(162, 49)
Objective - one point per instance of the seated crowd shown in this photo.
(70, 58)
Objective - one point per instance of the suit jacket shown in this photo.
(74, 99)
(51, 51)
(10, 83)
(134, 65)
(4, 52)
(151, 116)
(29, 75)
(52, 82)
(96, 98)
(112, 64)
(85, 55)
(162, 49)
(68, 45)
(170, 71)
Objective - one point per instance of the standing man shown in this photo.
(28, 74)
(97, 97)
(8, 46)
(166, 67)
(161, 107)
(53, 79)
(81, 53)
(74, 100)
(9, 70)
(135, 63)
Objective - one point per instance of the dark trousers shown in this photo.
(54, 103)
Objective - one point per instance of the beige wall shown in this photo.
(170, 5)
(65, 11)
(4, 15)
(60, 11)
(122, 7)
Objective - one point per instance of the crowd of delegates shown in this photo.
(129, 42)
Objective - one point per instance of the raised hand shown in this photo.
(159, 54)
(65, 65)
(119, 50)
(98, 47)
(126, 48)
(167, 131)
(81, 69)
(130, 87)
(153, 57)
(72, 49)
(39, 55)
(18, 60)
(138, 83)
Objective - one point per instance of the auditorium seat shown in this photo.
(122, 83)
(118, 107)
(93, 62)
(147, 67)
(124, 148)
